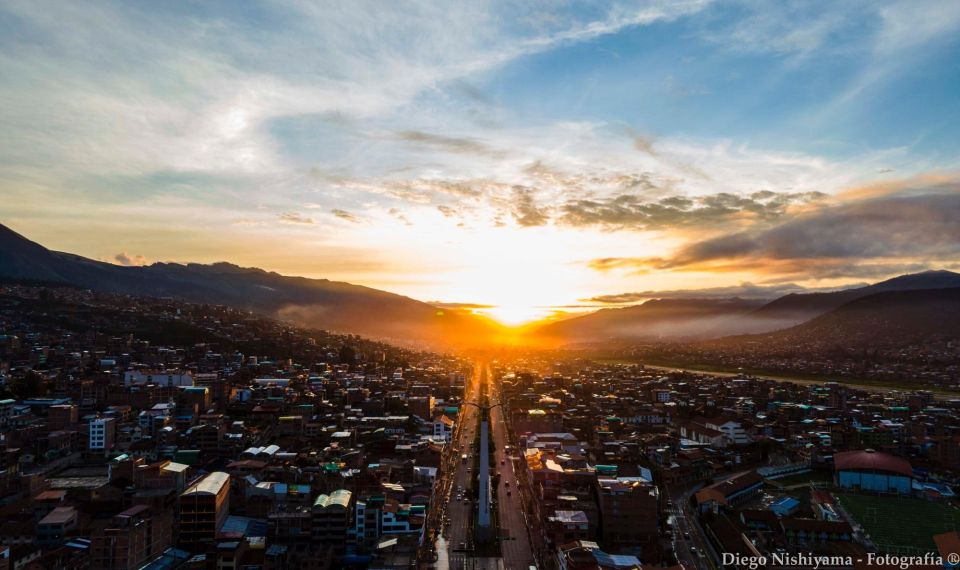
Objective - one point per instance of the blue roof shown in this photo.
(786, 502)
(615, 560)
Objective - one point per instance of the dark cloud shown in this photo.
(909, 226)
(295, 218)
(130, 260)
(744, 290)
(869, 238)
(525, 209)
(345, 215)
(631, 211)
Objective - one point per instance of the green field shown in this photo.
(901, 522)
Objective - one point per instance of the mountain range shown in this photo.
(698, 319)
(922, 300)
(886, 318)
(317, 303)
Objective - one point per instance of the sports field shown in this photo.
(893, 523)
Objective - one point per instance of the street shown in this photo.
(689, 544)
(455, 489)
(515, 546)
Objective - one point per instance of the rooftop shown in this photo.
(209, 485)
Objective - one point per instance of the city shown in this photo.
(484, 285)
(255, 444)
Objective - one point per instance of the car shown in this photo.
(506, 483)
(686, 536)
(508, 493)
(693, 550)
(503, 462)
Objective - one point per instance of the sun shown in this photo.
(514, 315)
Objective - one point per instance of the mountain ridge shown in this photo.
(318, 303)
(705, 318)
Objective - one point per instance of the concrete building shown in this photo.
(53, 528)
(203, 508)
(167, 378)
(137, 536)
(331, 519)
(628, 512)
(102, 432)
(443, 428)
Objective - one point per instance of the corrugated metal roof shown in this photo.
(340, 497)
(211, 484)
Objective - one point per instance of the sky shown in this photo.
(521, 157)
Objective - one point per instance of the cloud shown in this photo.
(447, 211)
(866, 238)
(450, 144)
(633, 212)
(345, 215)
(793, 29)
(744, 290)
(396, 213)
(462, 306)
(295, 218)
(222, 92)
(525, 210)
(130, 260)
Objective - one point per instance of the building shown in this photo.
(586, 555)
(730, 492)
(167, 378)
(869, 470)
(62, 417)
(103, 432)
(565, 527)
(718, 433)
(331, 519)
(203, 508)
(53, 528)
(628, 512)
(137, 536)
(377, 516)
(443, 428)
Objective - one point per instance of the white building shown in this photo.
(443, 428)
(102, 433)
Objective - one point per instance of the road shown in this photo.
(694, 551)
(457, 478)
(515, 547)
(459, 512)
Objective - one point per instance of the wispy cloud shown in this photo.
(295, 218)
(345, 215)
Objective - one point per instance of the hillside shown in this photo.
(711, 318)
(318, 303)
(799, 307)
(881, 320)
(657, 318)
